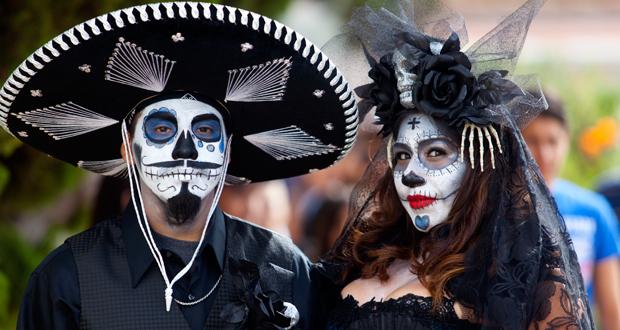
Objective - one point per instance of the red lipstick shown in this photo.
(419, 201)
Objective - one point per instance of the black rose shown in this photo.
(382, 93)
(446, 86)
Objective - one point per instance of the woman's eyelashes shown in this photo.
(438, 153)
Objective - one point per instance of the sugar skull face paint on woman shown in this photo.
(180, 150)
(427, 170)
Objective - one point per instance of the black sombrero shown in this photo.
(291, 110)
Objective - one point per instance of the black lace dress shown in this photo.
(407, 312)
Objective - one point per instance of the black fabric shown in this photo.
(182, 249)
(210, 48)
(119, 286)
(409, 312)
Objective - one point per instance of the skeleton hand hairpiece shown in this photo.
(487, 131)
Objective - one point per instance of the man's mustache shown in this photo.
(182, 163)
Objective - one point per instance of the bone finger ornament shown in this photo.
(469, 134)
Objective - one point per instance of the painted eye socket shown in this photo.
(436, 154)
(207, 130)
(401, 158)
(160, 130)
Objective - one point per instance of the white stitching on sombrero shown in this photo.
(83, 33)
(170, 11)
(259, 83)
(131, 65)
(93, 27)
(194, 8)
(219, 12)
(289, 143)
(26, 73)
(256, 23)
(144, 16)
(104, 20)
(50, 47)
(118, 19)
(114, 167)
(65, 120)
(10, 88)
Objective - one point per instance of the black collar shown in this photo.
(139, 256)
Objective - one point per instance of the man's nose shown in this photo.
(413, 180)
(185, 148)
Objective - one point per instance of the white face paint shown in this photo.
(427, 170)
(179, 146)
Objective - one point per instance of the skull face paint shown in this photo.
(180, 150)
(427, 170)
(405, 79)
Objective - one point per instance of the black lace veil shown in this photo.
(523, 272)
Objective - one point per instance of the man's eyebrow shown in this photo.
(162, 115)
(204, 117)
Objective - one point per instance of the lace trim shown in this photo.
(409, 305)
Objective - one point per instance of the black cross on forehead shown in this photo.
(414, 121)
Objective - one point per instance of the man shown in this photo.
(589, 218)
(181, 97)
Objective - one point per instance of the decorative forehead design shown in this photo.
(416, 126)
(181, 108)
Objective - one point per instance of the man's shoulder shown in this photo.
(278, 244)
(104, 231)
(61, 262)
(58, 262)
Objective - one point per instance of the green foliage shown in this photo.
(589, 93)
(17, 260)
(5, 298)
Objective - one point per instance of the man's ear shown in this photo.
(123, 151)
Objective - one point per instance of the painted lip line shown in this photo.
(420, 201)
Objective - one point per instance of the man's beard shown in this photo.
(183, 206)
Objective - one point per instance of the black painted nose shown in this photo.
(185, 148)
(413, 180)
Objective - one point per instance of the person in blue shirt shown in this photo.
(590, 220)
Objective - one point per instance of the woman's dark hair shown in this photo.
(388, 234)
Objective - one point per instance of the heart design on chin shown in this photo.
(422, 222)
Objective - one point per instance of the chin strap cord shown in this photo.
(145, 228)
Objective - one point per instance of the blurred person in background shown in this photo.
(323, 221)
(310, 192)
(591, 222)
(266, 203)
(609, 186)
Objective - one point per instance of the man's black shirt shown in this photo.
(52, 299)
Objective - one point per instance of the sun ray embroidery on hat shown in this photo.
(65, 120)
(131, 65)
(259, 83)
(114, 167)
(289, 143)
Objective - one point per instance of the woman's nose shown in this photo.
(413, 180)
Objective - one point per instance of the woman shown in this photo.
(452, 226)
